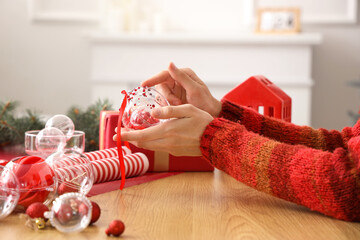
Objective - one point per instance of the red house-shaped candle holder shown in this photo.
(259, 93)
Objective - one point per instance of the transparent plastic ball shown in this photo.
(37, 180)
(140, 102)
(70, 212)
(9, 191)
(49, 140)
(63, 123)
(73, 170)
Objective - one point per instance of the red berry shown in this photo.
(36, 210)
(116, 228)
(66, 187)
(96, 211)
(64, 213)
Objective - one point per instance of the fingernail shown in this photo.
(173, 66)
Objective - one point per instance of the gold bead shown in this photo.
(40, 223)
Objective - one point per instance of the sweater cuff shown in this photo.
(210, 134)
(230, 111)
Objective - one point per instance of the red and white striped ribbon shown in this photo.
(106, 169)
(106, 153)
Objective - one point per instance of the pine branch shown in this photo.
(12, 129)
(88, 121)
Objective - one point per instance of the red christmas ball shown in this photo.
(83, 209)
(66, 187)
(116, 228)
(64, 213)
(36, 210)
(96, 211)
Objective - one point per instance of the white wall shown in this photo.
(45, 65)
(336, 62)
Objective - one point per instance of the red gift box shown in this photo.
(158, 161)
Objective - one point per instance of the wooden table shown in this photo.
(196, 206)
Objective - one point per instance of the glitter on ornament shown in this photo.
(9, 191)
(35, 218)
(63, 123)
(36, 210)
(140, 102)
(49, 140)
(70, 212)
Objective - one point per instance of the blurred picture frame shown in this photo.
(278, 20)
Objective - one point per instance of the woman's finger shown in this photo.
(181, 111)
(181, 77)
(168, 94)
(162, 77)
(146, 134)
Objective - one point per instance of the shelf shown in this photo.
(186, 38)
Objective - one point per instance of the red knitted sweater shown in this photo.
(316, 168)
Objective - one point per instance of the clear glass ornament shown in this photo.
(49, 140)
(140, 102)
(37, 180)
(73, 170)
(63, 123)
(9, 191)
(70, 212)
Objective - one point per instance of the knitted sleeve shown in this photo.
(327, 182)
(283, 131)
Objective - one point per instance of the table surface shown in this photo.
(209, 205)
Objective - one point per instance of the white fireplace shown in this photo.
(122, 61)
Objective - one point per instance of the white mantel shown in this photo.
(122, 61)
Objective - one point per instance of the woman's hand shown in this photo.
(182, 86)
(179, 136)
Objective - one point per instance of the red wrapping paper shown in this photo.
(158, 161)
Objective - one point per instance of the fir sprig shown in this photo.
(12, 129)
(88, 121)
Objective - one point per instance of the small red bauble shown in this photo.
(96, 211)
(36, 210)
(66, 187)
(64, 213)
(83, 209)
(116, 228)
